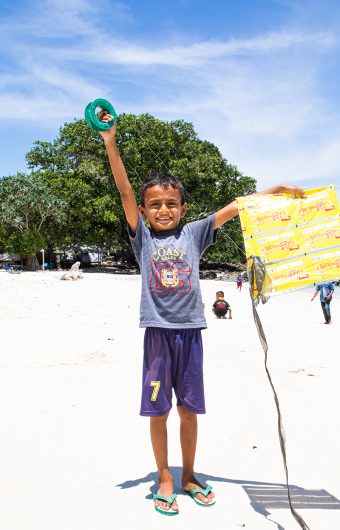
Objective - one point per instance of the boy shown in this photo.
(171, 312)
(220, 306)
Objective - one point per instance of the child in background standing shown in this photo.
(239, 282)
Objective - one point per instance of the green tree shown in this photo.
(29, 214)
(76, 168)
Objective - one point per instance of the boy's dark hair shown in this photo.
(220, 293)
(165, 180)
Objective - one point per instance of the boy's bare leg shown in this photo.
(188, 432)
(159, 439)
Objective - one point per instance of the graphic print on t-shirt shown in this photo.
(221, 304)
(169, 272)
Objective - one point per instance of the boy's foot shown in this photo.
(166, 490)
(194, 484)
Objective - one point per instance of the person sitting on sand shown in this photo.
(171, 311)
(221, 307)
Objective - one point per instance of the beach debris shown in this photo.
(74, 273)
(12, 269)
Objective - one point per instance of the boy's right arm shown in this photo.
(119, 174)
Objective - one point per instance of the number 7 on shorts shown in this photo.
(156, 386)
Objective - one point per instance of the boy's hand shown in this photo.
(108, 134)
(293, 190)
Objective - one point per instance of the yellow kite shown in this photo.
(297, 239)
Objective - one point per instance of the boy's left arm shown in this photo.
(231, 210)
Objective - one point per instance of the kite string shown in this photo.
(282, 436)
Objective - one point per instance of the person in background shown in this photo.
(326, 290)
(239, 282)
(221, 307)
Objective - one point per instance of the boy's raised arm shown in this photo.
(231, 210)
(119, 174)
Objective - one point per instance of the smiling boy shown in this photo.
(172, 312)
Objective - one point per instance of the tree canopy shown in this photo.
(29, 214)
(76, 170)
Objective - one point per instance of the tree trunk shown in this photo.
(32, 263)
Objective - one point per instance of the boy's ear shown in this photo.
(142, 211)
(143, 214)
(184, 208)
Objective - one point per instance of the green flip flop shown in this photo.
(204, 492)
(170, 501)
(92, 119)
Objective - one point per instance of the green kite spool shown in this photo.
(93, 121)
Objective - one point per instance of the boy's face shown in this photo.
(162, 207)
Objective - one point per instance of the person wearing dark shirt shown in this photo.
(220, 306)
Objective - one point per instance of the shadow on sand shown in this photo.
(263, 496)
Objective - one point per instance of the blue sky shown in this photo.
(259, 78)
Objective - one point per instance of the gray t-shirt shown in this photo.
(169, 264)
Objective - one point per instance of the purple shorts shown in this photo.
(173, 359)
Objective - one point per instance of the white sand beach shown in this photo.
(75, 454)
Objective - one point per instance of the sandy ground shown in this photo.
(75, 454)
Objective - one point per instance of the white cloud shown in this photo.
(110, 50)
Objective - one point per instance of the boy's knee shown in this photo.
(186, 414)
(159, 420)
